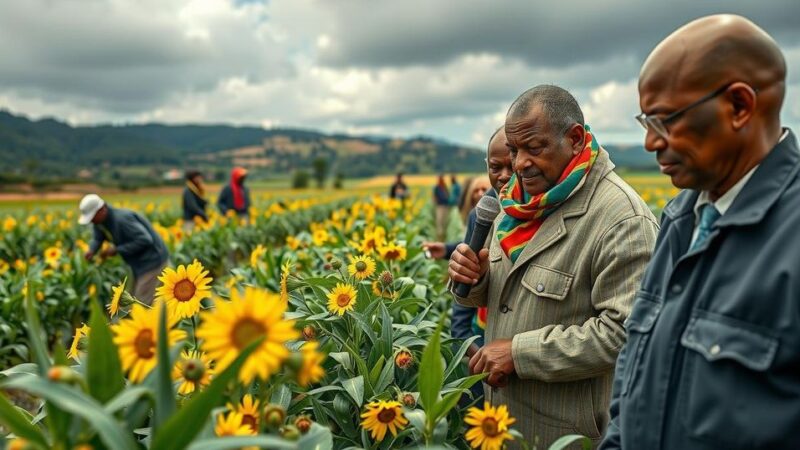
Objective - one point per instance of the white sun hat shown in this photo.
(90, 204)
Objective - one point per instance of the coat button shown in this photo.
(715, 349)
(503, 308)
(677, 288)
(540, 287)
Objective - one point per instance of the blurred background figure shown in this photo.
(399, 189)
(455, 191)
(441, 202)
(235, 196)
(133, 238)
(472, 195)
(194, 200)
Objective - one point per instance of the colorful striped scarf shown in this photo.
(525, 214)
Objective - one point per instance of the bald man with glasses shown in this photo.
(712, 358)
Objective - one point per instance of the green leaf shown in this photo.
(456, 361)
(376, 371)
(237, 442)
(430, 372)
(181, 428)
(282, 396)
(323, 389)
(355, 387)
(565, 441)
(342, 358)
(103, 368)
(385, 343)
(165, 391)
(317, 438)
(29, 368)
(416, 417)
(447, 403)
(76, 402)
(35, 335)
(126, 398)
(386, 378)
(17, 423)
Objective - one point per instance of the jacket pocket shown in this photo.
(547, 283)
(639, 324)
(725, 380)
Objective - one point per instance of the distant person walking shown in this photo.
(455, 193)
(235, 196)
(399, 189)
(441, 201)
(133, 238)
(194, 200)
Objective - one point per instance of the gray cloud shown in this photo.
(550, 34)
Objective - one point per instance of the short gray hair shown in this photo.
(559, 106)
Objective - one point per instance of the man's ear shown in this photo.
(743, 100)
(576, 136)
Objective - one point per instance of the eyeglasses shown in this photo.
(659, 125)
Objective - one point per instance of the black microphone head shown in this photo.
(487, 210)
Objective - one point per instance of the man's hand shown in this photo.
(109, 252)
(495, 359)
(436, 249)
(467, 267)
(88, 255)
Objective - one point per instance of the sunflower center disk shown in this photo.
(343, 300)
(250, 421)
(386, 415)
(247, 331)
(184, 290)
(144, 344)
(361, 266)
(489, 427)
(392, 254)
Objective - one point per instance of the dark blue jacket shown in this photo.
(461, 322)
(440, 196)
(225, 200)
(712, 359)
(134, 238)
(193, 206)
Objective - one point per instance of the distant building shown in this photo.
(172, 175)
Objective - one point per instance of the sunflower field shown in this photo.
(314, 324)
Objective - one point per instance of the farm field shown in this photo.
(307, 326)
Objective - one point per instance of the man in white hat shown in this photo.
(133, 238)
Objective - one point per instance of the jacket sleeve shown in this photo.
(136, 236)
(478, 295)
(246, 199)
(611, 439)
(97, 239)
(461, 322)
(222, 200)
(569, 353)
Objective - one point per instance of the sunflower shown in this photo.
(248, 408)
(320, 237)
(52, 255)
(489, 426)
(392, 252)
(361, 267)
(342, 298)
(136, 338)
(231, 425)
(311, 371)
(193, 370)
(82, 331)
(257, 255)
(231, 326)
(293, 243)
(373, 239)
(113, 307)
(3, 267)
(381, 416)
(183, 289)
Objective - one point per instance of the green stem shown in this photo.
(194, 331)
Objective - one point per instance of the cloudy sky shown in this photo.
(447, 69)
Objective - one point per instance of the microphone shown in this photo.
(486, 211)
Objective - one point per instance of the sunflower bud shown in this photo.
(274, 415)
(193, 370)
(408, 400)
(303, 423)
(327, 266)
(404, 359)
(63, 374)
(290, 433)
(387, 278)
(309, 332)
(336, 264)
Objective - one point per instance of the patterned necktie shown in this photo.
(708, 215)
